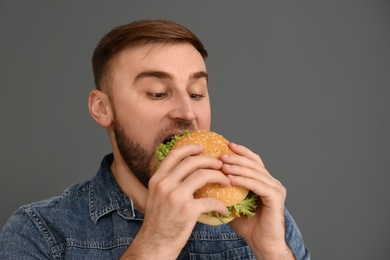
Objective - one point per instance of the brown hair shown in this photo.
(135, 34)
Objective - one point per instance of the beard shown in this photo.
(136, 157)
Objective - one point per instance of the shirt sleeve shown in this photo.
(294, 238)
(21, 238)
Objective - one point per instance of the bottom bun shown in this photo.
(213, 221)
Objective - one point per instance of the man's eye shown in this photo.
(196, 96)
(157, 95)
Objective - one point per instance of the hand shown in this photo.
(265, 232)
(171, 211)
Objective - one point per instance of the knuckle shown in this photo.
(281, 190)
(152, 182)
(284, 191)
(161, 188)
(281, 187)
(175, 197)
(202, 174)
(257, 157)
(172, 199)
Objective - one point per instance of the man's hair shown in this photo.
(135, 34)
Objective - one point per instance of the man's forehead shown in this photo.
(150, 50)
(157, 57)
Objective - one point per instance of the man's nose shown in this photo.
(183, 108)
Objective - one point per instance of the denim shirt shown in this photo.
(96, 220)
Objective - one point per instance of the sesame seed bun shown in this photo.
(215, 145)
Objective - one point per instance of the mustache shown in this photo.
(175, 126)
(182, 125)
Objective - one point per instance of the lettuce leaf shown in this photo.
(163, 149)
(247, 207)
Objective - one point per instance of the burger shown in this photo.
(238, 200)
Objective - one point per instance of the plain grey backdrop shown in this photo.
(305, 84)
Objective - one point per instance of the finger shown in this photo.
(180, 200)
(194, 163)
(243, 151)
(183, 193)
(239, 160)
(253, 176)
(252, 171)
(175, 156)
(173, 175)
(270, 191)
(185, 190)
(201, 177)
(211, 204)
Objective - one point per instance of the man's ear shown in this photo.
(100, 108)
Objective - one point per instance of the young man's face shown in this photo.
(157, 91)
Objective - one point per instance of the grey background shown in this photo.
(303, 83)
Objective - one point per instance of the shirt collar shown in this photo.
(105, 195)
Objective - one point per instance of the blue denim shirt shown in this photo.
(96, 220)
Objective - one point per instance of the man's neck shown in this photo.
(129, 184)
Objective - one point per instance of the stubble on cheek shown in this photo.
(137, 158)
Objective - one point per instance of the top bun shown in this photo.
(215, 145)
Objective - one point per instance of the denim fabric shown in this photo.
(95, 220)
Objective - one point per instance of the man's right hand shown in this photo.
(171, 211)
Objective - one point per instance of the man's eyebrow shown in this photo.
(165, 75)
(153, 74)
(199, 75)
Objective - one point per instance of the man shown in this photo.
(151, 83)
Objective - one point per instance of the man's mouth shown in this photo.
(172, 135)
(168, 139)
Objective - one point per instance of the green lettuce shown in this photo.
(247, 207)
(163, 149)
